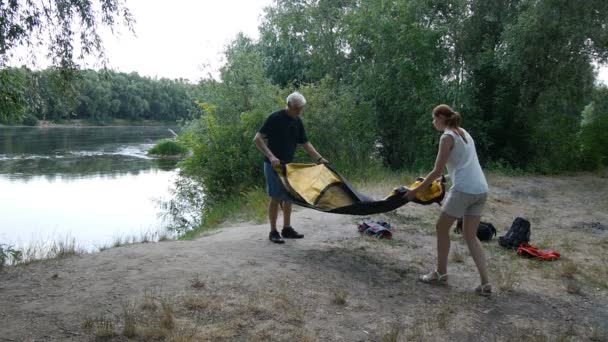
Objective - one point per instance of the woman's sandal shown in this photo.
(484, 290)
(434, 278)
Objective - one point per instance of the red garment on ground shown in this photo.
(530, 251)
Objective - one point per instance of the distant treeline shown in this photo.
(27, 96)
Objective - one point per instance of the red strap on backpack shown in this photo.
(533, 252)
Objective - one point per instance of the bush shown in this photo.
(224, 159)
(594, 142)
(8, 253)
(30, 120)
(168, 148)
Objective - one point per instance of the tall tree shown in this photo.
(60, 25)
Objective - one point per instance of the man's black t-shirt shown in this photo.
(283, 134)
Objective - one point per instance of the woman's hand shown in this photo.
(411, 194)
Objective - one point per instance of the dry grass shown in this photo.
(197, 283)
(196, 303)
(149, 301)
(104, 328)
(129, 329)
(391, 332)
(50, 249)
(573, 287)
(568, 268)
(340, 297)
(288, 307)
(457, 255)
(598, 334)
(506, 267)
(167, 320)
(88, 324)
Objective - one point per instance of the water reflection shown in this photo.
(93, 184)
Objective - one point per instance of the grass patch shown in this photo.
(598, 334)
(457, 255)
(196, 303)
(568, 269)
(196, 283)
(39, 251)
(340, 297)
(105, 329)
(249, 206)
(129, 328)
(168, 148)
(143, 237)
(391, 333)
(573, 287)
(149, 302)
(167, 320)
(507, 274)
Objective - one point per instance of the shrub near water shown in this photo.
(168, 148)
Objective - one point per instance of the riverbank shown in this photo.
(233, 284)
(92, 123)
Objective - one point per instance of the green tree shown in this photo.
(61, 23)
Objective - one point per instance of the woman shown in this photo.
(466, 198)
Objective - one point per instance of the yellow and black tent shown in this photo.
(320, 187)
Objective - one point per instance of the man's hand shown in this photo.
(322, 160)
(274, 161)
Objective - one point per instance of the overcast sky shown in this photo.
(182, 38)
(185, 38)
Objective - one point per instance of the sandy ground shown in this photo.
(333, 285)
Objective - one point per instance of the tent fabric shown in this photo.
(320, 187)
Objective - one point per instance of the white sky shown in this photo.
(181, 38)
(185, 38)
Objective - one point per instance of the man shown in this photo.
(284, 131)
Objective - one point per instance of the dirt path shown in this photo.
(333, 285)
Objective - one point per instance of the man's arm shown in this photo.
(312, 152)
(261, 145)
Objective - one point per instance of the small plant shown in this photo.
(508, 277)
(8, 253)
(197, 283)
(148, 304)
(168, 148)
(195, 303)
(340, 297)
(88, 324)
(457, 255)
(598, 334)
(130, 327)
(104, 328)
(30, 120)
(573, 287)
(569, 269)
(392, 332)
(167, 321)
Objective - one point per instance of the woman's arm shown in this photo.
(445, 148)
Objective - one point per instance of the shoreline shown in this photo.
(94, 124)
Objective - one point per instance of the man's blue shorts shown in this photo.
(274, 187)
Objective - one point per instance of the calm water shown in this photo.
(92, 184)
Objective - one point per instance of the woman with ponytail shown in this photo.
(466, 198)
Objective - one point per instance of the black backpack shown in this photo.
(485, 230)
(517, 234)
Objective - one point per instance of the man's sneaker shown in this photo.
(290, 233)
(275, 237)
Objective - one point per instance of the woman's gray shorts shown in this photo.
(459, 204)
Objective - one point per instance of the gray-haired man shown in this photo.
(284, 131)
